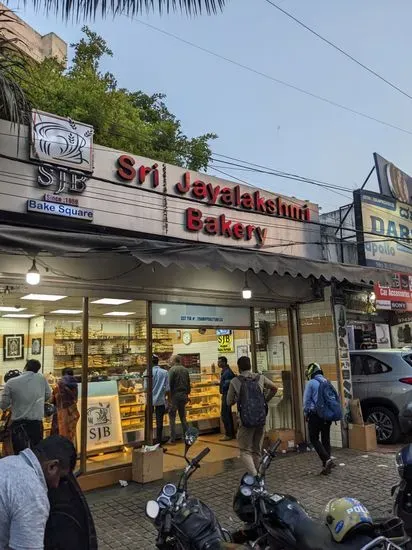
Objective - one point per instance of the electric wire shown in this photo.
(340, 50)
(272, 78)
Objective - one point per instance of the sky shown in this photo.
(256, 119)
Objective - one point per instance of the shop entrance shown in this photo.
(199, 350)
(200, 335)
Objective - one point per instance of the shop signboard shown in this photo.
(397, 296)
(62, 210)
(384, 231)
(392, 181)
(104, 428)
(225, 343)
(140, 195)
(181, 315)
(61, 141)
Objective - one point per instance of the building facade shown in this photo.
(31, 43)
(139, 257)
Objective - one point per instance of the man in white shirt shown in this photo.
(24, 482)
(26, 395)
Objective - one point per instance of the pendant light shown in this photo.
(33, 275)
(246, 292)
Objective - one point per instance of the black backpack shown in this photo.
(251, 404)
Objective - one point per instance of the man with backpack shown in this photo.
(251, 392)
(321, 405)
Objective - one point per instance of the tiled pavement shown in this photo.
(121, 522)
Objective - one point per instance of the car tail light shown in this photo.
(407, 380)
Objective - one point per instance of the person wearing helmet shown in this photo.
(317, 426)
(346, 517)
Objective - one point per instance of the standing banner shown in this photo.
(104, 427)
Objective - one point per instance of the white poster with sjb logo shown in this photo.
(104, 427)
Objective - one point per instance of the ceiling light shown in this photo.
(43, 297)
(12, 309)
(19, 315)
(162, 311)
(246, 292)
(33, 275)
(67, 311)
(119, 313)
(111, 301)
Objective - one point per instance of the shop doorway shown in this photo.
(199, 350)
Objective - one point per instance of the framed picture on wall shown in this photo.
(13, 347)
(36, 346)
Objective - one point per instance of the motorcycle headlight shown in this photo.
(246, 490)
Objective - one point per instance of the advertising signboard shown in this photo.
(392, 181)
(104, 427)
(397, 296)
(384, 231)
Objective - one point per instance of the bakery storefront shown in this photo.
(138, 257)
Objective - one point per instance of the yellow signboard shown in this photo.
(225, 343)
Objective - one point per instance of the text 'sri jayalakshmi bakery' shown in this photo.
(139, 257)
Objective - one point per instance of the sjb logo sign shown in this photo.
(61, 141)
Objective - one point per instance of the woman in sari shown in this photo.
(65, 399)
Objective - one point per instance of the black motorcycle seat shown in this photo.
(311, 535)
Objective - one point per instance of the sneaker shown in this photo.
(226, 438)
(329, 464)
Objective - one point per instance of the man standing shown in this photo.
(317, 426)
(226, 376)
(179, 384)
(248, 391)
(26, 395)
(24, 482)
(160, 393)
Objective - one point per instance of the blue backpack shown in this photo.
(328, 406)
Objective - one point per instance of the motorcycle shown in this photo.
(275, 521)
(402, 492)
(184, 522)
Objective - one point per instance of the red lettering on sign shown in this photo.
(126, 170)
(194, 219)
(238, 231)
(184, 186)
(226, 196)
(199, 190)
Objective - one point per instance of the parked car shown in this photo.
(382, 380)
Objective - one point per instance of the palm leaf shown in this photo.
(14, 105)
(86, 9)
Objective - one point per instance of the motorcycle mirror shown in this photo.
(152, 509)
(190, 438)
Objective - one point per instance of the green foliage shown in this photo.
(130, 121)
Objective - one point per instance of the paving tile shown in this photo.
(121, 522)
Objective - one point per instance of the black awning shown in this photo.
(19, 239)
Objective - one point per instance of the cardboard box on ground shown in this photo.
(289, 439)
(362, 437)
(147, 466)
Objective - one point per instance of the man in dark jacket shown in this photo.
(226, 411)
(179, 386)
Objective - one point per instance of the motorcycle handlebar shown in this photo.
(274, 447)
(200, 456)
(168, 523)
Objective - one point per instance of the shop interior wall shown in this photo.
(318, 343)
(207, 346)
